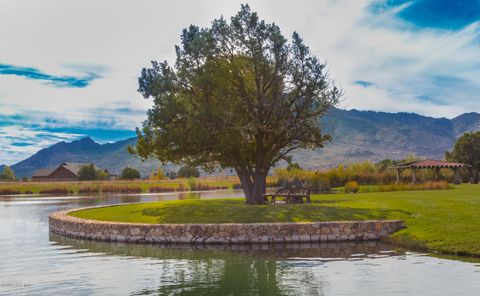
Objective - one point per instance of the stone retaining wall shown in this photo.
(64, 224)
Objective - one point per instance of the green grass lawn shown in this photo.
(446, 221)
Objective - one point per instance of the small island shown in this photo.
(421, 211)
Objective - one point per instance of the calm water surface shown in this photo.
(34, 262)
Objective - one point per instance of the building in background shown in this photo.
(67, 171)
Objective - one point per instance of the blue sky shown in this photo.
(52, 80)
(69, 70)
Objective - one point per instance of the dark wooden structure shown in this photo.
(67, 171)
(41, 174)
(291, 195)
(436, 165)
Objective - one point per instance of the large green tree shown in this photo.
(467, 150)
(238, 96)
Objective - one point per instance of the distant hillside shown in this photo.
(369, 135)
(467, 122)
(112, 156)
(357, 136)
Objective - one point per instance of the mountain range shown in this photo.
(111, 156)
(370, 135)
(357, 136)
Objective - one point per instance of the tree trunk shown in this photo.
(246, 183)
(253, 186)
(258, 190)
(474, 175)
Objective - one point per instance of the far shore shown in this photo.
(118, 186)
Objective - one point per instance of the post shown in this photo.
(398, 176)
(457, 175)
(414, 175)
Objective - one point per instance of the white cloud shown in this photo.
(58, 37)
(19, 142)
(124, 36)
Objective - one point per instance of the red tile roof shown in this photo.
(430, 163)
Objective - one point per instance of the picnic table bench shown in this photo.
(291, 195)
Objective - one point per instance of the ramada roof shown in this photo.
(429, 163)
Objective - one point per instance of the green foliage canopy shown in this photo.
(171, 175)
(130, 174)
(188, 172)
(467, 150)
(7, 173)
(293, 166)
(90, 173)
(239, 96)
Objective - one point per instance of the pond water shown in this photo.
(35, 262)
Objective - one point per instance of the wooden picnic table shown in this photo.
(291, 195)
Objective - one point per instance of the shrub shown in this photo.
(434, 185)
(268, 184)
(271, 184)
(90, 173)
(206, 187)
(171, 175)
(188, 172)
(352, 187)
(89, 190)
(293, 166)
(316, 181)
(87, 173)
(161, 189)
(102, 175)
(8, 192)
(365, 173)
(159, 175)
(192, 184)
(7, 173)
(130, 174)
(55, 191)
(120, 189)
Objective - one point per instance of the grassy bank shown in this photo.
(116, 185)
(439, 220)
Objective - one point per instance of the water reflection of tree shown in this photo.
(231, 270)
(230, 277)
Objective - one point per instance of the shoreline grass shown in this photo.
(445, 221)
(114, 186)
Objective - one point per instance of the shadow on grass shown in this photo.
(239, 213)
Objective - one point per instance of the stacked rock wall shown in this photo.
(64, 224)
